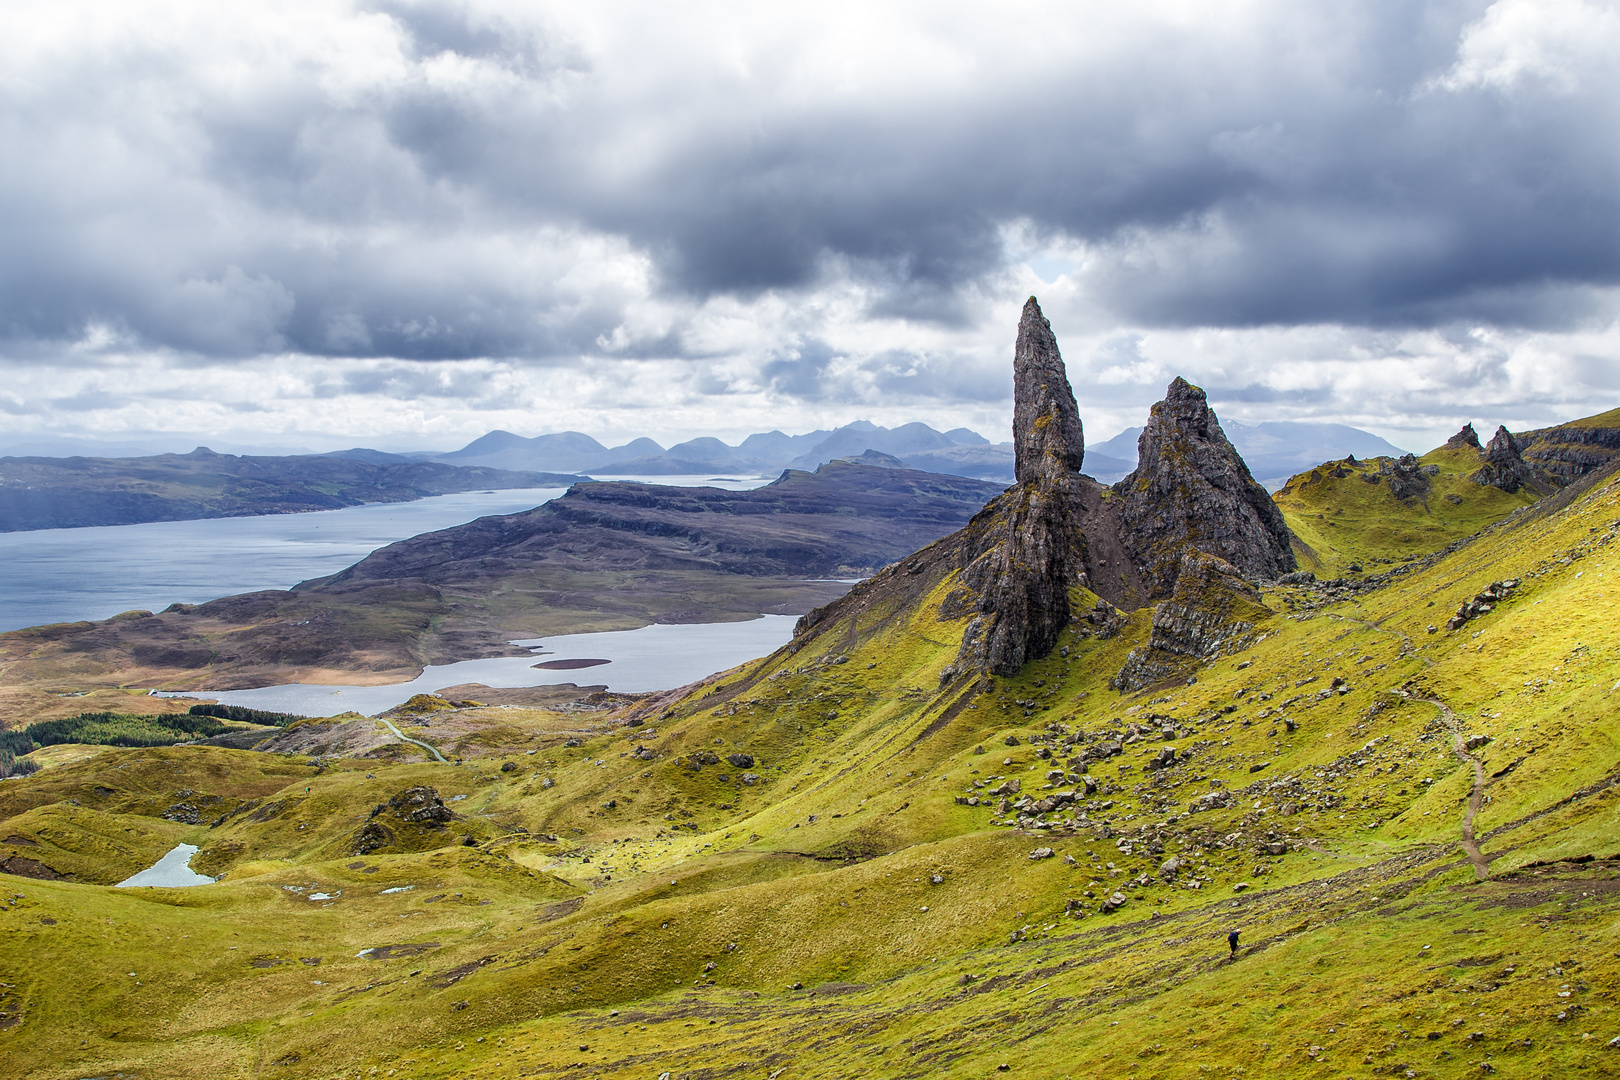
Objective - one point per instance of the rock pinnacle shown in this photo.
(1048, 440)
(1191, 489)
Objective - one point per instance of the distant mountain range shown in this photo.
(762, 454)
(1274, 451)
(50, 492)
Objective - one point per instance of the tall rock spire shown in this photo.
(1047, 435)
(1027, 545)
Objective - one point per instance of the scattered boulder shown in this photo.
(1214, 800)
(1041, 853)
(741, 761)
(1113, 903)
(1483, 603)
(1164, 759)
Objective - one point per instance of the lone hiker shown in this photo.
(1231, 939)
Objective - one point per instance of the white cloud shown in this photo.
(409, 222)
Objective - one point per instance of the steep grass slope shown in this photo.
(1414, 832)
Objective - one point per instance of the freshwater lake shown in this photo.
(65, 575)
(656, 657)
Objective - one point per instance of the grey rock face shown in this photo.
(1192, 489)
(421, 806)
(1048, 440)
(1027, 547)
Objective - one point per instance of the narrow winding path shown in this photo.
(389, 724)
(1482, 865)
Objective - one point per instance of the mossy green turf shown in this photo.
(1340, 520)
(1369, 946)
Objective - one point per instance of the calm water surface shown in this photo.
(651, 658)
(64, 575)
(173, 871)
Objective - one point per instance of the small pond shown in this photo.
(173, 871)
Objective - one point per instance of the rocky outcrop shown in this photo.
(1212, 610)
(1028, 545)
(1191, 489)
(1562, 454)
(1048, 441)
(1016, 585)
(1407, 479)
(1466, 437)
(1190, 528)
(1504, 468)
(415, 810)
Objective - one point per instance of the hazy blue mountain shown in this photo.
(768, 453)
(853, 439)
(1274, 450)
(565, 451)
(964, 437)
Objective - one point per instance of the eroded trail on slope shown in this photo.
(389, 724)
(1476, 798)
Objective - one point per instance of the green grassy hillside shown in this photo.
(1416, 831)
(1345, 512)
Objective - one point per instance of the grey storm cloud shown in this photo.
(1310, 163)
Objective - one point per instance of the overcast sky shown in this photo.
(402, 224)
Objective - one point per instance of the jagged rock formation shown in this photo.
(1031, 545)
(1192, 489)
(1407, 479)
(1190, 528)
(1505, 467)
(1031, 549)
(1466, 437)
(1048, 441)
